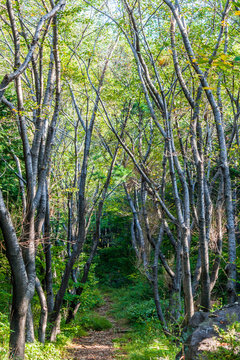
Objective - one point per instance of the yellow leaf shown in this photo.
(208, 88)
(237, 12)
(223, 56)
(224, 23)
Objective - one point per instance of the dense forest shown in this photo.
(119, 171)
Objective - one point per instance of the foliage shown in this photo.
(10, 145)
(114, 261)
(34, 351)
(39, 351)
(68, 332)
(5, 285)
(147, 342)
(91, 296)
(4, 335)
(94, 321)
(134, 302)
(229, 344)
(84, 39)
(140, 312)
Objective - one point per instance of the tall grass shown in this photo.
(146, 339)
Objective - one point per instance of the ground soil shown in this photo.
(98, 345)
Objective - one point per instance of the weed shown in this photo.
(147, 342)
(94, 321)
(229, 348)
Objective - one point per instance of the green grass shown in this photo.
(146, 340)
(94, 321)
(37, 351)
(134, 303)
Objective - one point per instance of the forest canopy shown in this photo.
(119, 155)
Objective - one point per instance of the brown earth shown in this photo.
(98, 345)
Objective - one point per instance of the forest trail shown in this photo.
(98, 345)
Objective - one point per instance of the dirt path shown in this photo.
(98, 345)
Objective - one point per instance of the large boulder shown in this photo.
(203, 335)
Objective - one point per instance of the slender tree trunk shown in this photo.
(155, 279)
(44, 312)
(30, 338)
(223, 156)
(175, 295)
(197, 273)
(55, 328)
(219, 231)
(187, 283)
(48, 259)
(205, 280)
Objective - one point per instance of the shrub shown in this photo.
(95, 322)
(141, 311)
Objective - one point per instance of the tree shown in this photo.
(21, 256)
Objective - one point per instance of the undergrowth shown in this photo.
(85, 320)
(94, 321)
(134, 303)
(229, 347)
(146, 340)
(36, 350)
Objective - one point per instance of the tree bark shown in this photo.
(30, 338)
(44, 312)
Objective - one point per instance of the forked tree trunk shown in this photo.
(54, 317)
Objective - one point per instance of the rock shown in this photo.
(203, 336)
(198, 318)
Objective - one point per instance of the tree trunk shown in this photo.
(17, 325)
(175, 295)
(187, 284)
(44, 312)
(30, 338)
(48, 258)
(155, 279)
(75, 303)
(205, 279)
